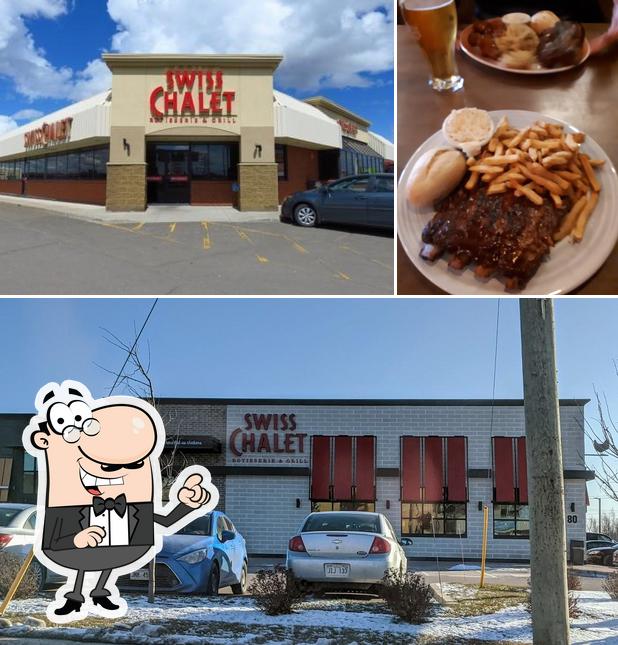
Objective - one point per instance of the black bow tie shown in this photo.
(101, 505)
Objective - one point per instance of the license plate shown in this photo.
(336, 570)
(140, 574)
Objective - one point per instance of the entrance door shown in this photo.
(168, 173)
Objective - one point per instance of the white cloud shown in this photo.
(26, 64)
(326, 43)
(7, 123)
(26, 115)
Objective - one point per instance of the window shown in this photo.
(52, 164)
(29, 474)
(343, 522)
(317, 507)
(214, 161)
(281, 159)
(61, 166)
(434, 486)
(19, 168)
(510, 487)
(199, 526)
(511, 521)
(101, 157)
(342, 471)
(86, 164)
(30, 523)
(356, 185)
(220, 527)
(384, 185)
(73, 165)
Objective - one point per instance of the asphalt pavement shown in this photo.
(50, 253)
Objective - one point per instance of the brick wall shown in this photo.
(10, 186)
(82, 191)
(302, 166)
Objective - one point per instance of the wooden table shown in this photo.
(586, 97)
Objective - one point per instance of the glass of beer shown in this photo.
(434, 24)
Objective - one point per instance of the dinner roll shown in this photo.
(543, 20)
(435, 175)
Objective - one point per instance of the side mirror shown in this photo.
(406, 542)
(226, 536)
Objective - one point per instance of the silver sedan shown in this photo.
(345, 549)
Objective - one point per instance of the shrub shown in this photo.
(610, 584)
(407, 596)
(276, 591)
(573, 581)
(9, 566)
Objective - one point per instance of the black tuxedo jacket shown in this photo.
(63, 523)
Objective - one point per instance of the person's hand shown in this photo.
(192, 493)
(609, 37)
(92, 536)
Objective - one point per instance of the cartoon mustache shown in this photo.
(90, 427)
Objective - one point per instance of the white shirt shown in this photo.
(116, 527)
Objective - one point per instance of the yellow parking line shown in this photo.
(262, 259)
(243, 235)
(172, 227)
(345, 247)
(206, 240)
(139, 226)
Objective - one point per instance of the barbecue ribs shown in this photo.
(502, 234)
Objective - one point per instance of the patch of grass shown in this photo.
(488, 600)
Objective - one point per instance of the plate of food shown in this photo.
(523, 44)
(508, 200)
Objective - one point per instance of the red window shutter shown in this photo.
(411, 469)
(433, 479)
(343, 469)
(503, 470)
(456, 469)
(365, 476)
(320, 468)
(522, 470)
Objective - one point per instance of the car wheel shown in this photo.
(38, 572)
(241, 587)
(212, 588)
(305, 215)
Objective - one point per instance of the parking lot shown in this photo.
(43, 252)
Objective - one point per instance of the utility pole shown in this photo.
(550, 614)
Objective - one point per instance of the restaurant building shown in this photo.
(188, 129)
(429, 465)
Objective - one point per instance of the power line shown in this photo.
(133, 346)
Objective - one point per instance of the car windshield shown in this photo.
(343, 522)
(200, 526)
(7, 515)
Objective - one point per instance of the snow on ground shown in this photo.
(597, 624)
(465, 567)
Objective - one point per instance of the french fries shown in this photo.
(541, 162)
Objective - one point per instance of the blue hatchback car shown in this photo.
(203, 557)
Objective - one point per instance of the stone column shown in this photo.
(257, 170)
(126, 170)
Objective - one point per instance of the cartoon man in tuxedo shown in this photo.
(99, 493)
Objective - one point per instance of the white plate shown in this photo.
(463, 41)
(334, 570)
(567, 266)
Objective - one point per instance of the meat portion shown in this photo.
(561, 45)
(501, 233)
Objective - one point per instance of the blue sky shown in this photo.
(379, 348)
(50, 50)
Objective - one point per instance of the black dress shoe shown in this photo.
(105, 602)
(68, 607)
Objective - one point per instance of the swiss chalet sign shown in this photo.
(193, 96)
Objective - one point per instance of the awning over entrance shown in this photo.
(359, 147)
